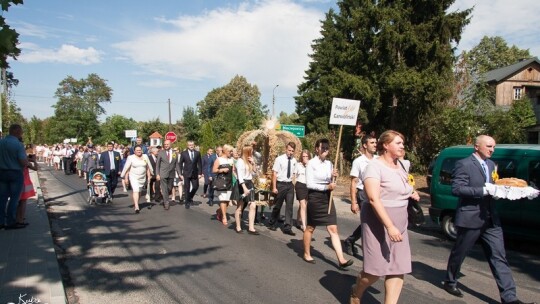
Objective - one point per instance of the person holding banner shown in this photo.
(319, 173)
(385, 241)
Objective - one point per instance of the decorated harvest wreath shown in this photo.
(270, 144)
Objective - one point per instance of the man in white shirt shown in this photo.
(66, 159)
(283, 189)
(358, 196)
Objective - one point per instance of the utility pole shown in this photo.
(170, 125)
(274, 102)
(4, 97)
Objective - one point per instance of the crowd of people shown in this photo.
(379, 193)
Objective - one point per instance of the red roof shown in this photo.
(156, 135)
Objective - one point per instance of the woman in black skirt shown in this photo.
(319, 173)
(301, 189)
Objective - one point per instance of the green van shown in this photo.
(520, 218)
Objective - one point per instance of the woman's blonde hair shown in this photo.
(386, 138)
(247, 151)
(228, 149)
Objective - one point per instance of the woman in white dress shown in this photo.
(137, 169)
(223, 165)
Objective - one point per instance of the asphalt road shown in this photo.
(109, 254)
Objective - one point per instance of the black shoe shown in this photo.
(255, 232)
(137, 211)
(348, 247)
(15, 226)
(453, 290)
(519, 302)
(289, 232)
(346, 264)
(308, 261)
(187, 205)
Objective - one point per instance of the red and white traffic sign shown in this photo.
(170, 136)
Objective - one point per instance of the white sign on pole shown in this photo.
(131, 133)
(344, 111)
(73, 140)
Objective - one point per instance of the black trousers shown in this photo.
(357, 233)
(192, 183)
(67, 164)
(112, 181)
(285, 194)
(155, 189)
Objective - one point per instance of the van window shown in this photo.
(534, 173)
(446, 171)
(506, 167)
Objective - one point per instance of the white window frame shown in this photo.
(518, 93)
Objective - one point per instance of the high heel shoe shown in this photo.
(354, 299)
(137, 211)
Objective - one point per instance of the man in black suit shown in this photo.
(110, 162)
(206, 173)
(477, 218)
(155, 189)
(190, 171)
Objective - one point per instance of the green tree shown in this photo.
(11, 113)
(288, 119)
(34, 131)
(191, 124)
(146, 128)
(508, 126)
(394, 56)
(493, 53)
(78, 107)
(208, 138)
(232, 109)
(113, 129)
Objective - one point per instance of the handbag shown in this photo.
(415, 215)
(223, 181)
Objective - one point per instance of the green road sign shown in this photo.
(299, 131)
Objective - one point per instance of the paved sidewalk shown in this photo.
(28, 266)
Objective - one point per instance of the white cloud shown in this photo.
(268, 42)
(32, 30)
(70, 54)
(515, 21)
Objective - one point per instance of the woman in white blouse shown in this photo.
(137, 169)
(301, 189)
(245, 169)
(319, 174)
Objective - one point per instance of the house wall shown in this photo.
(527, 77)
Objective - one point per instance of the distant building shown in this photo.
(516, 81)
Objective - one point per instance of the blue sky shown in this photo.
(150, 51)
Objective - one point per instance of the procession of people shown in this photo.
(379, 193)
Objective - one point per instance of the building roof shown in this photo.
(156, 135)
(500, 74)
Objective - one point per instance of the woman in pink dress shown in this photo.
(385, 241)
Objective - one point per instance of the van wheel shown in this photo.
(448, 227)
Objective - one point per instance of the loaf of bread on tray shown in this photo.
(512, 182)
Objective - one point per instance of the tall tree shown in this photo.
(190, 123)
(394, 56)
(78, 107)
(233, 108)
(146, 128)
(493, 53)
(113, 129)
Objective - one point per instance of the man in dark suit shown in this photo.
(476, 218)
(190, 171)
(206, 173)
(110, 162)
(166, 168)
(155, 189)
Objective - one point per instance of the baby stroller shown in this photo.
(98, 180)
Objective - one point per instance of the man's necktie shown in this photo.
(191, 155)
(289, 168)
(168, 155)
(484, 166)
